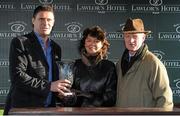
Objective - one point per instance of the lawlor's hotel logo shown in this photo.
(159, 54)
(177, 83)
(101, 2)
(72, 32)
(118, 35)
(155, 7)
(176, 88)
(155, 2)
(57, 7)
(16, 28)
(168, 63)
(73, 27)
(101, 6)
(7, 6)
(177, 27)
(170, 36)
(46, 1)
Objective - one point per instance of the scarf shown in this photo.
(126, 64)
(91, 60)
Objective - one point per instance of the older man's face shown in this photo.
(133, 41)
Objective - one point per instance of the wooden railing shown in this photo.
(92, 111)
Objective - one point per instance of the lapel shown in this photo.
(36, 47)
(55, 57)
(137, 64)
(56, 52)
(134, 66)
(53, 53)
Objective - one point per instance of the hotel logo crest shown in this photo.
(177, 26)
(159, 54)
(155, 2)
(73, 32)
(73, 27)
(176, 88)
(46, 1)
(168, 63)
(177, 81)
(101, 2)
(17, 26)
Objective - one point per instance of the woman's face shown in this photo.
(92, 45)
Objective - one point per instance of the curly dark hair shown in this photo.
(98, 33)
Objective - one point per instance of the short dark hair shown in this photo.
(43, 8)
(100, 34)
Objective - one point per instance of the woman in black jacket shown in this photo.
(95, 77)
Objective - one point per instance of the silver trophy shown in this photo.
(66, 72)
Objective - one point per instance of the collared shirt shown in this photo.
(48, 55)
(130, 56)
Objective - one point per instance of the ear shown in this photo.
(33, 21)
(144, 37)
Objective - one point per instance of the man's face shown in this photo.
(133, 41)
(43, 23)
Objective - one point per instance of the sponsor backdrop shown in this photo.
(162, 17)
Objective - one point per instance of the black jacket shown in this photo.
(29, 72)
(97, 84)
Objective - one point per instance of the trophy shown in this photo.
(66, 72)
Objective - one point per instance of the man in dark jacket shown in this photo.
(33, 70)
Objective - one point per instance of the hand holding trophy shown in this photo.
(66, 72)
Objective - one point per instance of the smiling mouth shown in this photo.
(92, 48)
(132, 44)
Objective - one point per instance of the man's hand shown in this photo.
(60, 86)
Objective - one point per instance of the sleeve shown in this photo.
(109, 97)
(22, 77)
(161, 90)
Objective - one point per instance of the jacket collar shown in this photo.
(127, 66)
(37, 47)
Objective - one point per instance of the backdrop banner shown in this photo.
(162, 17)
